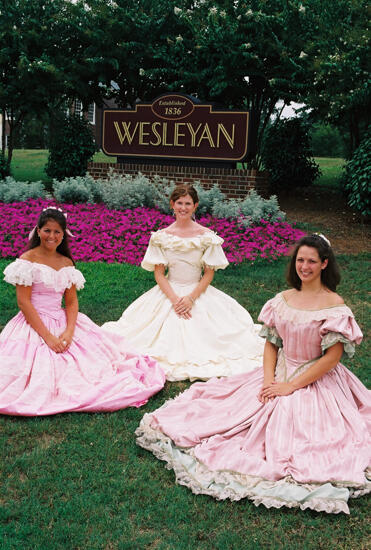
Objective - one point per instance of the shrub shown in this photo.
(78, 189)
(71, 147)
(358, 177)
(16, 191)
(125, 192)
(121, 192)
(251, 210)
(287, 155)
(4, 168)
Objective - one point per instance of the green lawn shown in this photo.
(332, 169)
(79, 481)
(28, 165)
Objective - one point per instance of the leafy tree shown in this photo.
(44, 60)
(341, 89)
(217, 43)
(29, 78)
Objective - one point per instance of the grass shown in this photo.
(28, 165)
(78, 481)
(332, 169)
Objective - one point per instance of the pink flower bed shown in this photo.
(113, 236)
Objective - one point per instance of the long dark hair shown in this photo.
(59, 217)
(330, 276)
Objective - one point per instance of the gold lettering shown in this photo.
(230, 139)
(164, 135)
(126, 127)
(142, 133)
(178, 134)
(193, 133)
(156, 143)
(206, 134)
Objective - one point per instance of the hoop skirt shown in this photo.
(97, 373)
(310, 449)
(219, 340)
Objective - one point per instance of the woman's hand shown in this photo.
(266, 383)
(183, 307)
(66, 338)
(55, 343)
(275, 389)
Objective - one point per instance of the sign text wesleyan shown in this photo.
(175, 127)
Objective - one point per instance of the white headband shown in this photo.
(32, 232)
(323, 237)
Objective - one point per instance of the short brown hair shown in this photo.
(182, 190)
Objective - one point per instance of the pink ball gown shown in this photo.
(96, 373)
(310, 449)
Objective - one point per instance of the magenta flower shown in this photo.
(112, 236)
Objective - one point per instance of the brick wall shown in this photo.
(234, 183)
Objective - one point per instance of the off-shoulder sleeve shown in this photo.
(25, 273)
(76, 278)
(154, 254)
(268, 329)
(19, 273)
(213, 255)
(341, 328)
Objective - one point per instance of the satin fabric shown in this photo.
(98, 372)
(310, 449)
(219, 340)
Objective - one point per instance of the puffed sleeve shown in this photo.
(268, 329)
(341, 328)
(154, 254)
(213, 255)
(19, 273)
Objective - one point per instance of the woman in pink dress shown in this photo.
(294, 433)
(55, 359)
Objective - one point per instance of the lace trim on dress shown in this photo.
(166, 240)
(25, 273)
(189, 471)
(332, 338)
(271, 334)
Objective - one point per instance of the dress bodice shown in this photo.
(304, 335)
(184, 257)
(48, 284)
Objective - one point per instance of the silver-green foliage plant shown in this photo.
(77, 189)
(18, 191)
(250, 210)
(121, 192)
(208, 198)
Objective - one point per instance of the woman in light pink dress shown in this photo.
(294, 433)
(55, 359)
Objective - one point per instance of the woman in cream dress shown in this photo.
(192, 329)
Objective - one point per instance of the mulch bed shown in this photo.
(327, 211)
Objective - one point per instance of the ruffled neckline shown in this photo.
(299, 316)
(25, 273)
(167, 240)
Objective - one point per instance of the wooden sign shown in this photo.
(174, 126)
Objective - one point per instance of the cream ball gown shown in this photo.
(219, 340)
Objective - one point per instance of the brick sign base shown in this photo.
(233, 183)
